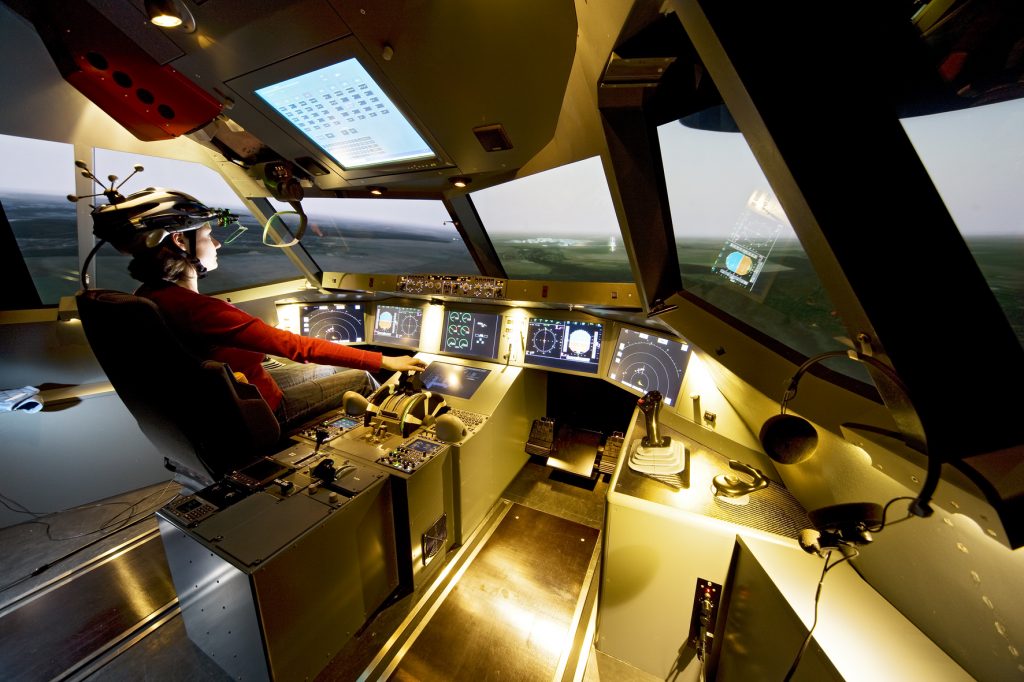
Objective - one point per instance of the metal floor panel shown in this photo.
(511, 614)
(53, 633)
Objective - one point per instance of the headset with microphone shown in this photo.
(789, 439)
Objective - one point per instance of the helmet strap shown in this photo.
(192, 236)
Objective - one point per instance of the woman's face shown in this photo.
(206, 247)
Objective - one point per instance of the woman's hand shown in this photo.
(402, 363)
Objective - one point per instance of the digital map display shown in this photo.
(337, 322)
(649, 362)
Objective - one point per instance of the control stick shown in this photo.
(650, 405)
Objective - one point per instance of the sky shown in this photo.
(570, 200)
(37, 166)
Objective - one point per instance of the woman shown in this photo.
(169, 235)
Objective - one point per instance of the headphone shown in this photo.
(789, 439)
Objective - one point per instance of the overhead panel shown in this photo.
(464, 65)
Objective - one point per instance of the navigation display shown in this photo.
(645, 361)
(398, 325)
(337, 322)
(469, 333)
(344, 423)
(343, 110)
(565, 344)
(453, 380)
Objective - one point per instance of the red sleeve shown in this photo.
(223, 324)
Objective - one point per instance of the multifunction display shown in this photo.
(337, 322)
(469, 333)
(398, 325)
(644, 362)
(565, 344)
(453, 380)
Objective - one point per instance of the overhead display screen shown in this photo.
(565, 344)
(453, 380)
(468, 333)
(398, 325)
(337, 322)
(343, 111)
(645, 361)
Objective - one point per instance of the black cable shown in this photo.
(41, 569)
(84, 274)
(128, 522)
(817, 599)
(885, 512)
(4, 500)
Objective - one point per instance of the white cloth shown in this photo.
(25, 399)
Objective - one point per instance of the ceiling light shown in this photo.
(170, 14)
(460, 181)
(377, 191)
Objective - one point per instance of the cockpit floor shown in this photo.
(546, 510)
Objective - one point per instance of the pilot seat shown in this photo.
(204, 422)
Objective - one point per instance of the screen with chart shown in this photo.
(644, 361)
(337, 322)
(453, 380)
(346, 113)
(398, 325)
(565, 344)
(469, 333)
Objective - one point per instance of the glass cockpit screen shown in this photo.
(398, 325)
(468, 333)
(644, 362)
(449, 379)
(337, 322)
(565, 344)
(343, 110)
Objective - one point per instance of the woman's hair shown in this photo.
(162, 262)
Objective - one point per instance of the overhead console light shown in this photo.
(460, 181)
(170, 14)
(377, 191)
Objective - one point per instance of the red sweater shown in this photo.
(216, 330)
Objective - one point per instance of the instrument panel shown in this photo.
(634, 358)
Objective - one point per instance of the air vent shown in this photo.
(435, 538)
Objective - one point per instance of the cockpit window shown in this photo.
(387, 236)
(35, 179)
(737, 249)
(243, 263)
(975, 158)
(558, 224)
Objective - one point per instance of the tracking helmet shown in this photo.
(148, 216)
